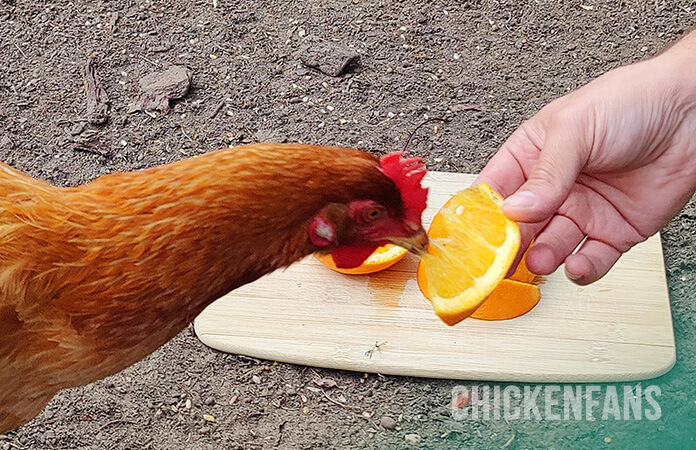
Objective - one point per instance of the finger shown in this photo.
(563, 156)
(591, 262)
(558, 240)
(502, 173)
(509, 167)
(528, 232)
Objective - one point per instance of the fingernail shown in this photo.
(577, 279)
(572, 276)
(524, 199)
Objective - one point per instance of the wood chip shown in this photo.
(330, 58)
(112, 22)
(158, 88)
(97, 101)
(465, 107)
(325, 382)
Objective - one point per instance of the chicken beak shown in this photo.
(416, 243)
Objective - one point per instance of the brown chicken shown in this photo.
(95, 277)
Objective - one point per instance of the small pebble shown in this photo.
(462, 400)
(188, 403)
(607, 440)
(412, 438)
(387, 422)
(76, 129)
(290, 390)
(210, 401)
(208, 418)
(6, 143)
(256, 379)
(305, 410)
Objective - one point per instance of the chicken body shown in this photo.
(95, 277)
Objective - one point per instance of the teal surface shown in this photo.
(675, 425)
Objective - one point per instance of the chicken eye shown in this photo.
(373, 213)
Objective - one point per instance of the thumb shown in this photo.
(562, 158)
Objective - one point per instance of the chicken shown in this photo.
(95, 277)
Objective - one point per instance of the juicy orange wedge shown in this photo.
(513, 297)
(472, 248)
(510, 299)
(385, 256)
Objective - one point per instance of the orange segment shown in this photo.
(509, 300)
(472, 247)
(382, 258)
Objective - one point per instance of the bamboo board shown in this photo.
(618, 329)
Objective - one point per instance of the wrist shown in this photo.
(679, 63)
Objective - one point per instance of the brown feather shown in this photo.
(95, 277)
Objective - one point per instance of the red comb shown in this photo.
(407, 174)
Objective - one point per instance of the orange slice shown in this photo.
(385, 256)
(510, 299)
(472, 247)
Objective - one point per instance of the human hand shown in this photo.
(610, 163)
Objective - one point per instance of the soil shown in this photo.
(485, 65)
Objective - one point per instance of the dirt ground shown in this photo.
(486, 65)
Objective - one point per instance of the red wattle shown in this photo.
(348, 257)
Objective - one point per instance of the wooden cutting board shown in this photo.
(618, 329)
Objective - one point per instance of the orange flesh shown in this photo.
(472, 245)
(513, 296)
(475, 263)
